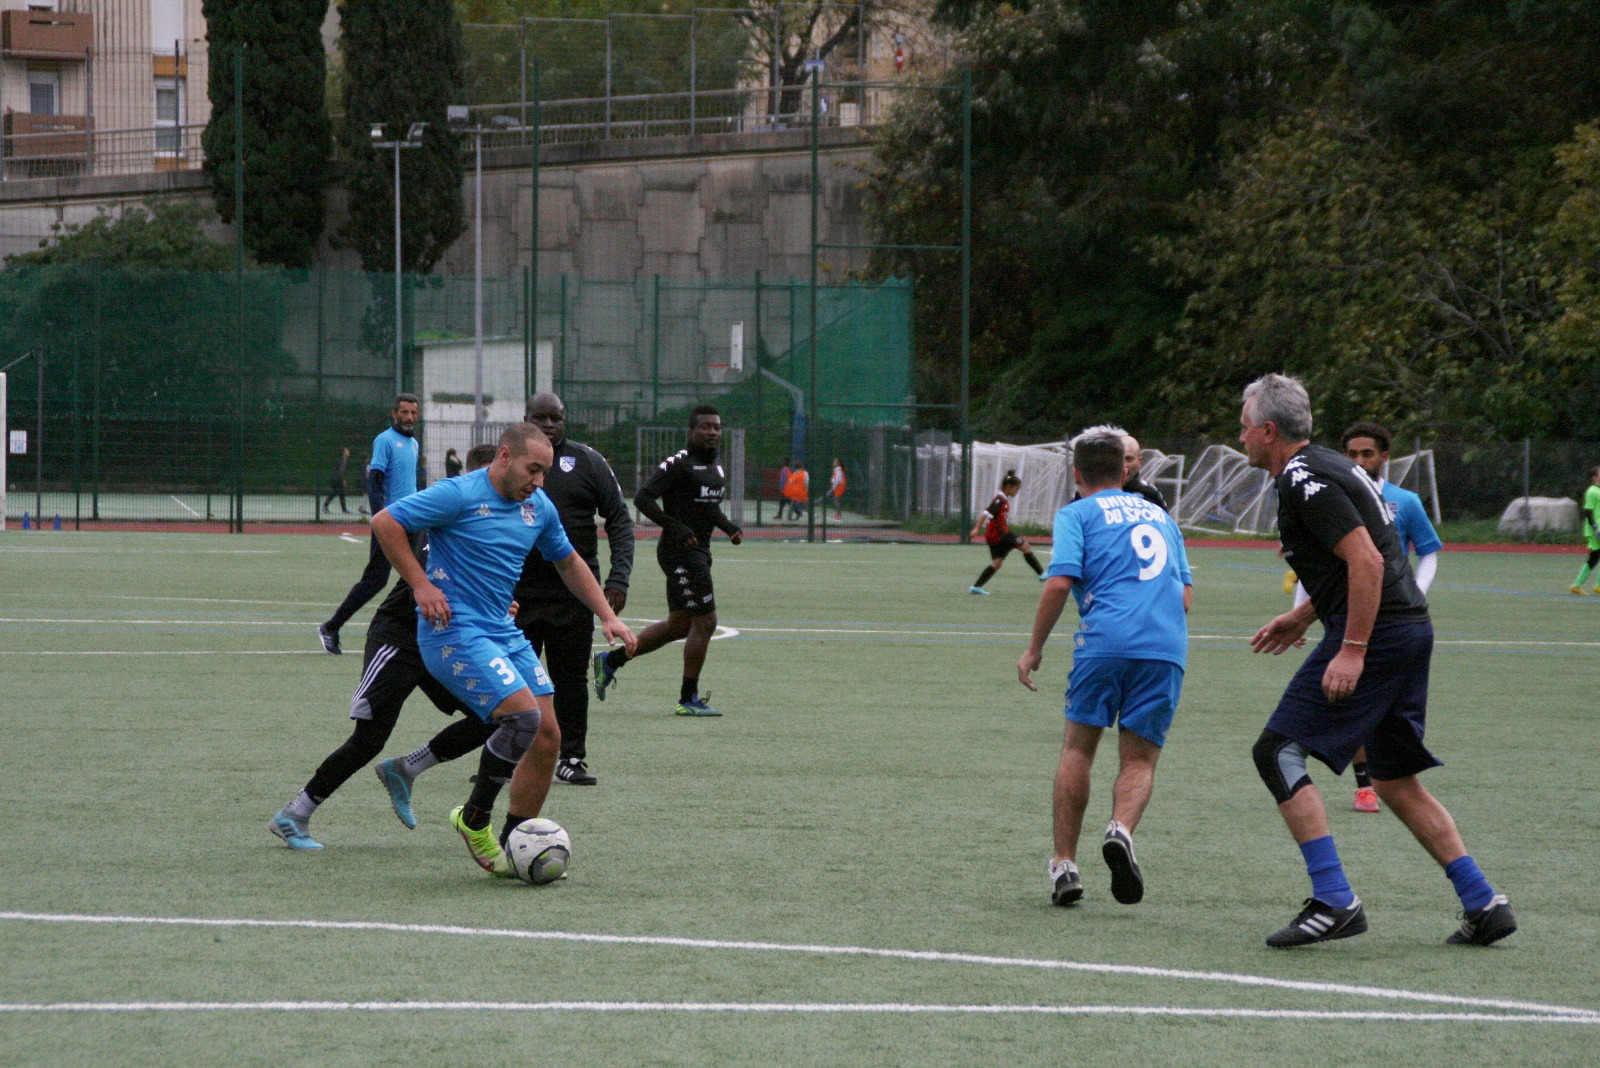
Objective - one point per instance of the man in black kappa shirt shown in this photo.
(391, 669)
(684, 497)
(1365, 684)
(557, 624)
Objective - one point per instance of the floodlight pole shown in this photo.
(966, 304)
(811, 388)
(413, 139)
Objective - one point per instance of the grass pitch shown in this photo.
(881, 781)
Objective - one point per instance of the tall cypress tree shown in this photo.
(403, 63)
(287, 135)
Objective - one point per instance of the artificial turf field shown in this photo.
(881, 781)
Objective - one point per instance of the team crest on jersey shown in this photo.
(530, 513)
(483, 510)
(568, 463)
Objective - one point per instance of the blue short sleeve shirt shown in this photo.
(1411, 520)
(479, 540)
(1128, 566)
(395, 454)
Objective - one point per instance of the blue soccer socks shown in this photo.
(1328, 883)
(1471, 887)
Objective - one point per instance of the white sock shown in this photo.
(418, 761)
(1115, 826)
(301, 807)
(1057, 868)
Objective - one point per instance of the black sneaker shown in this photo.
(573, 772)
(1127, 883)
(1487, 925)
(329, 639)
(1068, 886)
(1321, 922)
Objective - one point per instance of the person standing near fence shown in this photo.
(559, 626)
(783, 484)
(1591, 531)
(836, 484)
(797, 488)
(336, 485)
(391, 476)
(684, 498)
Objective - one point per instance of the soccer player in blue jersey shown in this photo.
(482, 526)
(1365, 686)
(1122, 559)
(391, 476)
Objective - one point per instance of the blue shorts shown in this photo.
(1387, 713)
(482, 666)
(1137, 695)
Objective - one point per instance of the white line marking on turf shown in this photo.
(1235, 978)
(162, 622)
(138, 552)
(797, 1008)
(349, 538)
(185, 507)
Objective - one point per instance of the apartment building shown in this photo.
(101, 87)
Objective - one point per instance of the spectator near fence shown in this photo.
(783, 484)
(797, 488)
(336, 485)
(836, 484)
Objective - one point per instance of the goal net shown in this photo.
(1046, 473)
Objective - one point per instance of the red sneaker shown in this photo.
(1367, 800)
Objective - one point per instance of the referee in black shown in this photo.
(559, 626)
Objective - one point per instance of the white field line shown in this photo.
(186, 508)
(172, 622)
(351, 539)
(793, 1008)
(138, 552)
(1233, 978)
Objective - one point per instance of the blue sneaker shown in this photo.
(296, 833)
(394, 780)
(978, 591)
(696, 706)
(604, 675)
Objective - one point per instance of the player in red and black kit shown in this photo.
(684, 497)
(997, 533)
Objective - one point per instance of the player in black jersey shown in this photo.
(1365, 684)
(995, 527)
(1132, 461)
(391, 669)
(684, 497)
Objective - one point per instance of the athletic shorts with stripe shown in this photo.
(481, 665)
(389, 675)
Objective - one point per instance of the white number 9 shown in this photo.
(1151, 549)
(508, 676)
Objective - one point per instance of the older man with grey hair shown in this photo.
(1365, 684)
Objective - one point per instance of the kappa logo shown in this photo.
(1299, 476)
(472, 683)
(483, 700)
(679, 571)
(1312, 489)
(568, 463)
(484, 510)
(530, 513)
(438, 573)
(444, 653)
(457, 668)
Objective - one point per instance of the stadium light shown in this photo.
(413, 139)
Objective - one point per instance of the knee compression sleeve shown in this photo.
(1281, 762)
(514, 736)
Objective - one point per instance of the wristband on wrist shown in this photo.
(1358, 645)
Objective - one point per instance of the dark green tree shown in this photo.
(287, 134)
(402, 64)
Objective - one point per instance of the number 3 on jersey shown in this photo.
(1151, 549)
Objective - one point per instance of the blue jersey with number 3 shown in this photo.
(1128, 569)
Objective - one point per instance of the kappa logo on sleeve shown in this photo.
(1299, 476)
(1312, 489)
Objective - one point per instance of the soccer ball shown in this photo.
(540, 851)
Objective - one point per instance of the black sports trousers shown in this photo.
(562, 634)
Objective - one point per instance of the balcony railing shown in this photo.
(59, 35)
(63, 146)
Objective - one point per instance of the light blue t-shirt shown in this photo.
(1410, 520)
(1126, 559)
(395, 454)
(478, 541)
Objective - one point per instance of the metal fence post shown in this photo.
(1527, 505)
(813, 410)
(966, 304)
(608, 77)
(693, 24)
(238, 269)
(755, 353)
(655, 350)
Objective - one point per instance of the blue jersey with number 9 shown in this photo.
(1128, 569)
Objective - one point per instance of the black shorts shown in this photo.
(689, 583)
(390, 672)
(999, 550)
(1387, 713)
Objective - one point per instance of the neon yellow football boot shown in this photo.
(483, 846)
